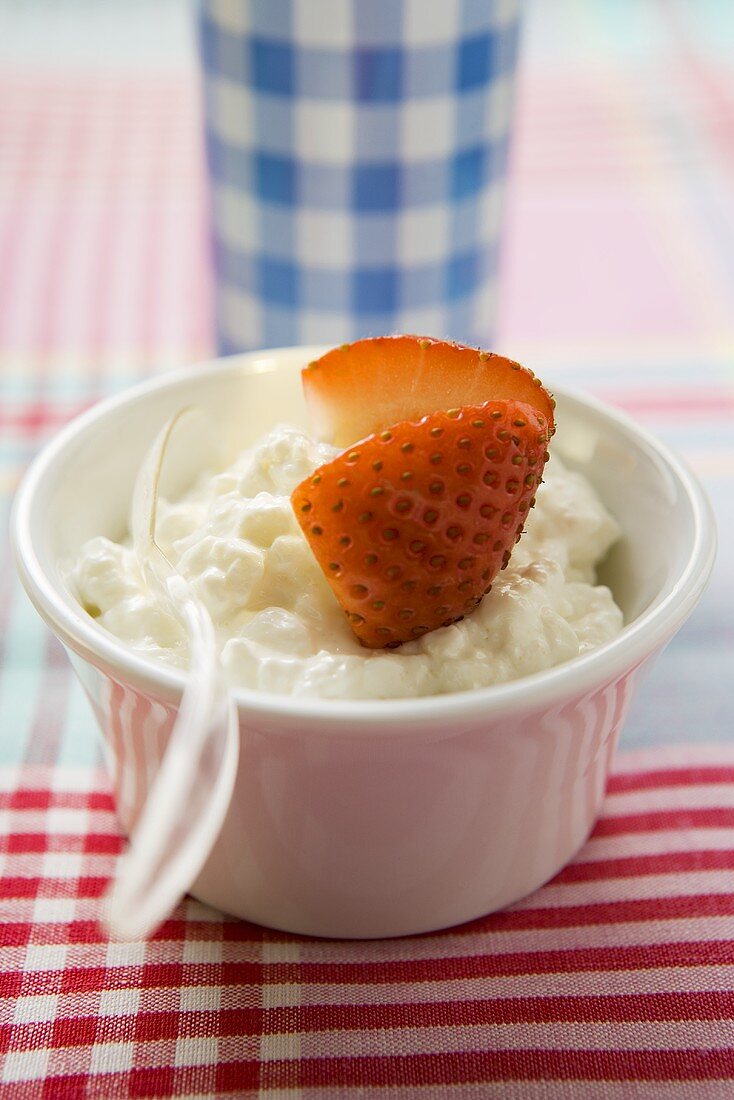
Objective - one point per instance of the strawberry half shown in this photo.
(361, 388)
(412, 524)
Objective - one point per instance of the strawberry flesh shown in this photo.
(412, 524)
(360, 388)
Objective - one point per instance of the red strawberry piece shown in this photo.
(361, 388)
(412, 524)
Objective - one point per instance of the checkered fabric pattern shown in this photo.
(615, 980)
(358, 155)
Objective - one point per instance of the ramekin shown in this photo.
(361, 819)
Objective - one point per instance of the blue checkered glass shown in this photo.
(357, 153)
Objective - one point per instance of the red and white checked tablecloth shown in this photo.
(620, 970)
(614, 981)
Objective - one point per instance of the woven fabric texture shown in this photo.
(618, 971)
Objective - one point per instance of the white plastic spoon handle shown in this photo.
(190, 794)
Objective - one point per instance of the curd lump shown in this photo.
(279, 626)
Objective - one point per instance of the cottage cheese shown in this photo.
(280, 629)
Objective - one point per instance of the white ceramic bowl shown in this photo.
(371, 818)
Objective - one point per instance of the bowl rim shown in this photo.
(649, 632)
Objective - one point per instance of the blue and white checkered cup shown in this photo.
(357, 153)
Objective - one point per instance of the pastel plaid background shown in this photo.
(617, 979)
(358, 155)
